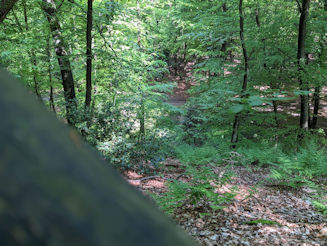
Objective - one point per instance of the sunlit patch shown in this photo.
(136, 183)
(133, 175)
(154, 184)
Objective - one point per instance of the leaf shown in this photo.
(237, 108)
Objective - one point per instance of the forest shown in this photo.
(215, 110)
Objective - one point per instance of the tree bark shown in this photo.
(70, 197)
(316, 95)
(88, 95)
(51, 99)
(236, 124)
(50, 10)
(6, 6)
(301, 57)
(316, 103)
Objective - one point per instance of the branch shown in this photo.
(6, 6)
(59, 6)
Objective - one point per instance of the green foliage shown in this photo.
(320, 205)
(188, 154)
(299, 168)
(201, 187)
(135, 48)
(262, 222)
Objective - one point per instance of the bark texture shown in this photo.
(50, 10)
(5, 7)
(88, 95)
(54, 190)
(316, 95)
(301, 56)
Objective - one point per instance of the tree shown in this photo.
(33, 57)
(301, 56)
(49, 8)
(55, 190)
(6, 6)
(245, 76)
(317, 90)
(88, 95)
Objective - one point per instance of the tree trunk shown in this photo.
(33, 58)
(51, 99)
(304, 116)
(316, 103)
(50, 10)
(6, 6)
(224, 45)
(316, 95)
(88, 95)
(245, 76)
(55, 190)
(274, 102)
(142, 113)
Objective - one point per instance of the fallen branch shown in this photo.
(159, 177)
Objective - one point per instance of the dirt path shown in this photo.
(184, 82)
(298, 222)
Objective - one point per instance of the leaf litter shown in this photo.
(260, 214)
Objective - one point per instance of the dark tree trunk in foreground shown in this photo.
(56, 191)
(5, 7)
(50, 10)
(245, 76)
(304, 116)
(88, 95)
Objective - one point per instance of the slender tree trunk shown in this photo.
(5, 7)
(316, 104)
(88, 95)
(33, 57)
(245, 76)
(142, 113)
(316, 95)
(50, 10)
(224, 45)
(275, 105)
(51, 98)
(31, 54)
(304, 116)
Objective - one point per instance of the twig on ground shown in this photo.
(152, 177)
(159, 177)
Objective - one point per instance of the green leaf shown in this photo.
(237, 108)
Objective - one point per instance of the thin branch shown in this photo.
(59, 6)
(159, 177)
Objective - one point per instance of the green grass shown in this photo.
(262, 222)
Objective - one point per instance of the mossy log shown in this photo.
(54, 190)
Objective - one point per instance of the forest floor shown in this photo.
(296, 222)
